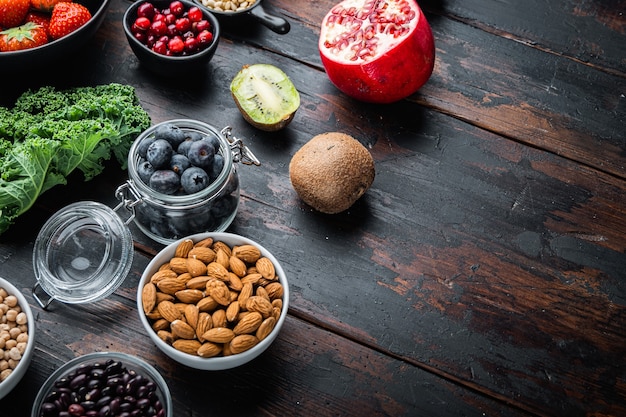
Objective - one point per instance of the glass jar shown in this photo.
(166, 218)
(84, 252)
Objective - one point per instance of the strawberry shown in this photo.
(44, 5)
(39, 18)
(29, 35)
(12, 12)
(66, 18)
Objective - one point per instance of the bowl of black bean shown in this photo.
(104, 384)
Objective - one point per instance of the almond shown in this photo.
(189, 296)
(234, 282)
(244, 294)
(169, 311)
(218, 271)
(206, 255)
(198, 283)
(182, 330)
(275, 290)
(204, 243)
(219, 318)
(183, 248)
(208, 303)
(191, 313)
(223, 258)
(249, 323)
(252, 278)
(232, 312)
(247, 253)
(165, 336)
(148, 297)
(262, 292)
(218, 291)
(160, 324)
(260, 304)
(223, 246)
(266, 328)
(265, 267)
(188, 346)
(170, 285)
(196, 267)
(178, 265)
(242, 343)
(209, 350)
(205, 323)
(219, 335)
(164, 273)
(161, 296)
(237, 266)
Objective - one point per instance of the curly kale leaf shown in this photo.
(51, 133)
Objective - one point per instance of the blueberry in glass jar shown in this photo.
(159, 153)
(198, 190)
(171, 133)
(165, 181)
(201, 153)
(194, 179)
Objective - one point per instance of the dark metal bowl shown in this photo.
(170, 65)
(44, 55)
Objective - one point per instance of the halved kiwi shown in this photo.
(265, 96)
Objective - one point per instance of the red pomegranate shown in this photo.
(377, 51)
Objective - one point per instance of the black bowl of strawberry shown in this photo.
(52, 34)
(171, 37)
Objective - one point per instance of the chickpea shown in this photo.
(13, 333)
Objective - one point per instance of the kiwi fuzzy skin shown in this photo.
(331, 172)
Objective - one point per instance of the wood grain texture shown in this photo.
(483, 273)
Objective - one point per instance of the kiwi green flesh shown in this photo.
(265, 96)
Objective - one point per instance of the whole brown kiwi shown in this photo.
(331, 172)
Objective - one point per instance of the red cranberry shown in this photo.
(183, 24)
(158, 28)
(203, 25)
(177, 8)
(195, 14)
(146, 10)
(176, 45)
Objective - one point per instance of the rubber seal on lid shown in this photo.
(82, 254)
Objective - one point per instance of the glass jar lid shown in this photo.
(82, 254)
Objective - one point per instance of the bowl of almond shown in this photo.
(213, 301)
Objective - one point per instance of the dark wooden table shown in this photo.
(483, 274)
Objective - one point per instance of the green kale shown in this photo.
(50, 133)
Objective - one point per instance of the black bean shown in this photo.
(103, 390)
(78, 381)
(49, 409)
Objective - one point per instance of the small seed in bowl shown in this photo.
(229, 299)
(228, 5)
(13, 333)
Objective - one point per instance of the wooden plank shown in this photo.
(590, 32)
(306, 371)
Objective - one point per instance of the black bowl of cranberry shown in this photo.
(171, 37)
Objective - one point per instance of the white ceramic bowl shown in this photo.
(8, 384)
(217, 362)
